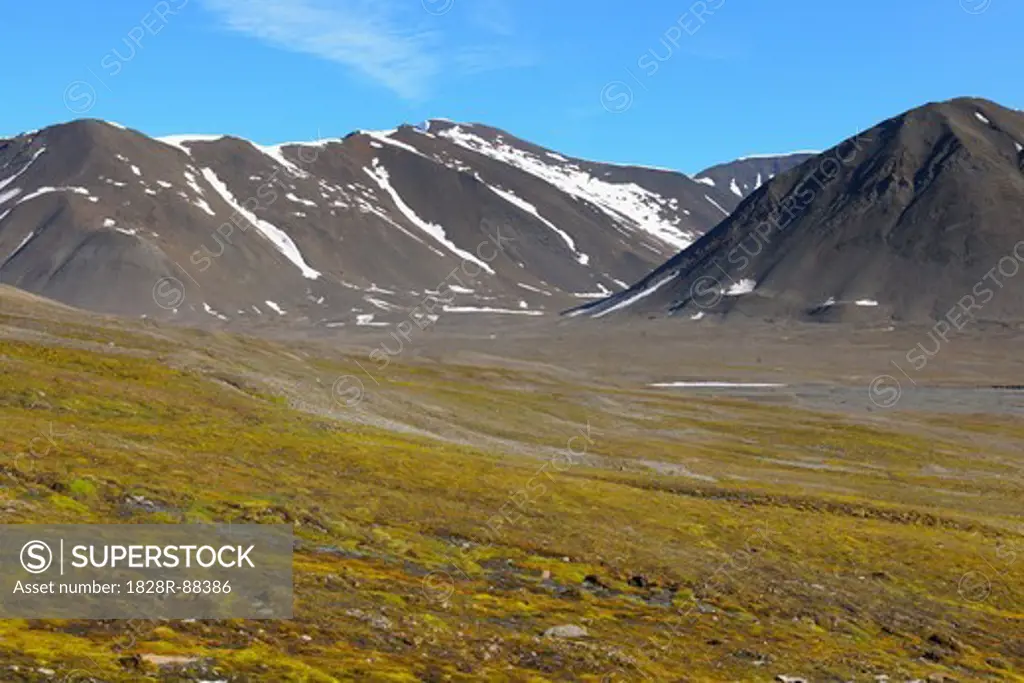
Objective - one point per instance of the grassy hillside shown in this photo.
(458, 512)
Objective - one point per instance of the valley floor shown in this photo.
(520, 504)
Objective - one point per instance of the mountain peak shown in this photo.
(930, 196)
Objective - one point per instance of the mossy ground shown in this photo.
(695, 538)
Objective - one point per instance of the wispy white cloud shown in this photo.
(406, 53)
(357, 34)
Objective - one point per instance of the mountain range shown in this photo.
(901, 222)
(353, 231)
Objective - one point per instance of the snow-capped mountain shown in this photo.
(352, 231)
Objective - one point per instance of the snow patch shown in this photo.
(277, 237)
(276, 152)
(109, 222)
(735, 189)
(744, 286)
(201, 203)
(502, 311)
(384, 136)
(533, 289)
(605, 292)
(981, 117)
(190, 178)
(706, 181)
(299, 200)
(642, 294)
(716, 205)
(380, 303)
(273, 306)
(366, 320)
(206, 307)
(182, 141)
(47, 190)
(9, 194)
(866, 302)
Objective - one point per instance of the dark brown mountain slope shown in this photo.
(921, 217)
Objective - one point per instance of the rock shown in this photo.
(789, 679)
(639, 581)
(130, 662)
(566, 631)
(659, 598)
(757, 658)
(377, 621)
(380, 622)
(946, 641)
(169, 660)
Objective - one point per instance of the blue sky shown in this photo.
(675, 84)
